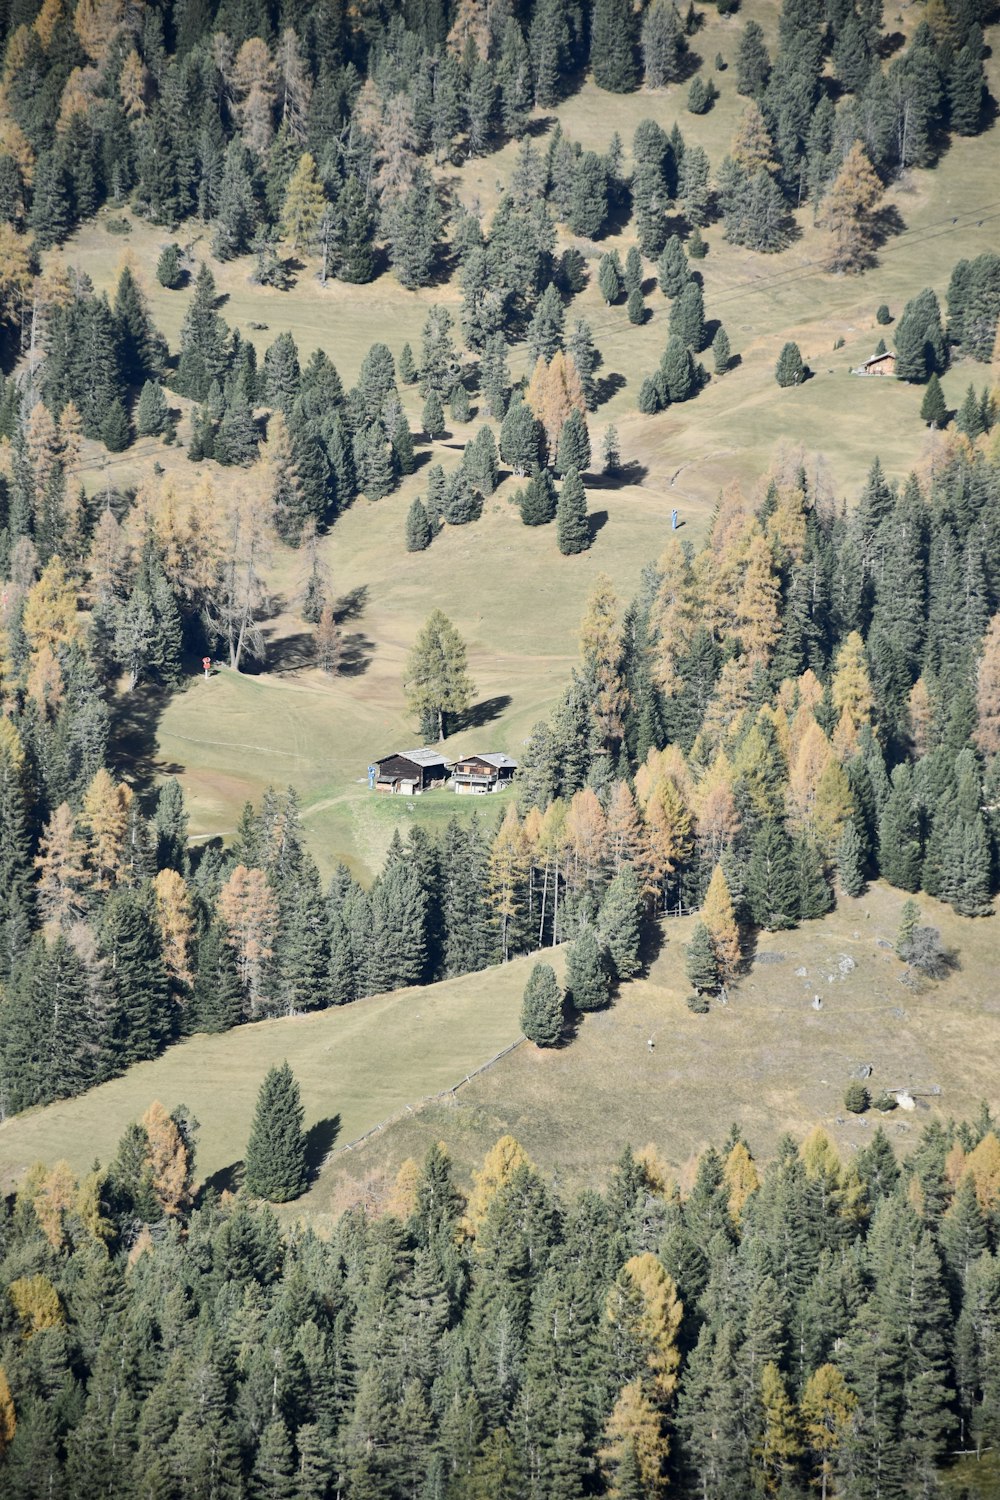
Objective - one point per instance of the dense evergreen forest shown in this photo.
(800, 1329)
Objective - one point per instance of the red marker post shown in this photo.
(206, 662)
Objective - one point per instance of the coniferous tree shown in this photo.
(672, 271)
(721, 352)
(933, 410)
(418, 527)
(587, 985)
(143, 1013)
(275, 1166)
(216, 1002)
(537, 502)
(789, 370)
(542, 1017)
(701, 964)
(610, 277)
(851, 860)
(572, 526)
(169, 271)
(151, 412)
(619, 923)
(612, 46)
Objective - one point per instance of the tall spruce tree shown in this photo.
(275, 1166)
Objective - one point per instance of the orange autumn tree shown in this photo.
(248, 908)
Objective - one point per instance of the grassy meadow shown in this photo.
(767, 1059)
(356, 1066)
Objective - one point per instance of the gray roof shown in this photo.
(498, 759)
(424, 757)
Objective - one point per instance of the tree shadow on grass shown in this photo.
(351, 605)
(290, 653)
(319, 1143)
(225, 1180)
(607, 386)
(596, 521)
(356, 656)
(632, 473)
(135, 722)
(485, 712)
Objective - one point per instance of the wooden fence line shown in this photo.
(427, 1099)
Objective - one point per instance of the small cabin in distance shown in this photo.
(878, 364)
(482, 773)
(407, 773)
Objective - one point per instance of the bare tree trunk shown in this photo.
(545, 892)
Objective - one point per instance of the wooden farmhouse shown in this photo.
(878, 364)
(410, 772)
(482, 773)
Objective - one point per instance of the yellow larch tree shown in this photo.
(554, 390)
(105, 819)
(62, 870)
(550, 856)
(779, 1445)
(826, 1407)
(499, 1165)
(730, 698)
(819, 793)
(984, 1164)
(668, 837)
(50, 613)
(168, 1158)
(636, 1425)
(752, 147)
(133, 86)
(625, 831)
(920, 719)
(758, 622)
(36, 1303)
(506, 871)
(50, 19)
(15, 273)
(848, 212)
(851, 686)
(79, 96)
(739, 1173)
(718, 916)
(304, 205)
(718, 817)
(786, 525)
(586, 839)
(643, 1302)
(96, 22)
(8, 1416)
(601, 649)
(43, 444)
(253, 81)
(44, 685)
(674, 617)
(248, 907)
(52, 1193)
(987, 734)
(176, 923)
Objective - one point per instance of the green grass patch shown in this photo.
(356, 1066)
(767, 1059)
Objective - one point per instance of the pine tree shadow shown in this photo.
(290, 653)
(356, 655)
(225, 1180)
(632, 473)
(319, 1143)
(607, 386)
(134, 748)
(596, 521)
(484, 713)
(351, 605)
